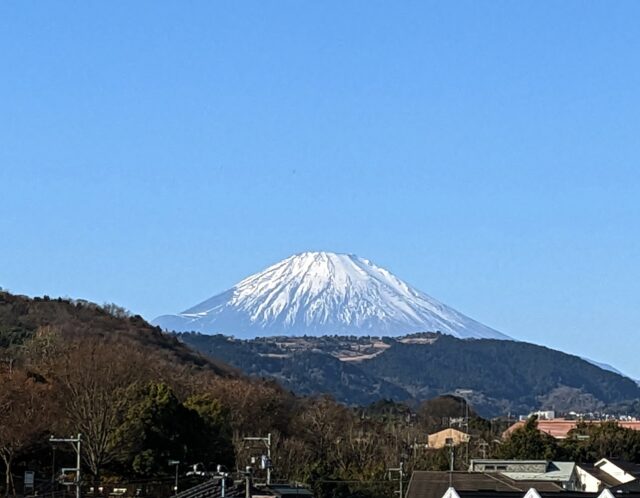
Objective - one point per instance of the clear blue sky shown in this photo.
(154, 153)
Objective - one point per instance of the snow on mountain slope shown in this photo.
(319, 293)
(605, 366)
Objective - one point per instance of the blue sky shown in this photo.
(153, 154)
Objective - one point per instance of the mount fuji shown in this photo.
(324, 293)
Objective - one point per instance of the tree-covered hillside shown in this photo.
(518, 374)
(497, 376)
(304, 370)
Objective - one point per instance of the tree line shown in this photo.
(586, 443)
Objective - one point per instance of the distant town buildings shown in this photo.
(541, 415)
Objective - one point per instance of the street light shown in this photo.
(177, 464)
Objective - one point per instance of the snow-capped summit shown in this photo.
(319, 293)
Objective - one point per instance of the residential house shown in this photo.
(608, 473)
(432, 484)
(562, 473)
(559, 428)
(447, 436)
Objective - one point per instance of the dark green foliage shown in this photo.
(213, 431)
(159, 428)
(586, 443)
(14, 335)
(528, 443)
(387, 410)
(590, 442)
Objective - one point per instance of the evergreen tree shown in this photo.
(528, 443)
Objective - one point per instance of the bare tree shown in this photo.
(23, 416)
(94, 375)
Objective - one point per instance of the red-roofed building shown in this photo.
(559, 428)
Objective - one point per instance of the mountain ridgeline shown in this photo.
(497, 376)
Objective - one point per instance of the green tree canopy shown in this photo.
(159, 428)
(528, 443)
(590, 442)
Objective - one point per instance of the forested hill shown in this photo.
(23, 318)
(497, 376)
(522, 374)
(136, 394)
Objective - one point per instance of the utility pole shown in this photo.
(265, 463)
(177, 464)
(400, 471)
(466, 423)
(449, 443)
(247, 489)
(75, 442)
(464, 393)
